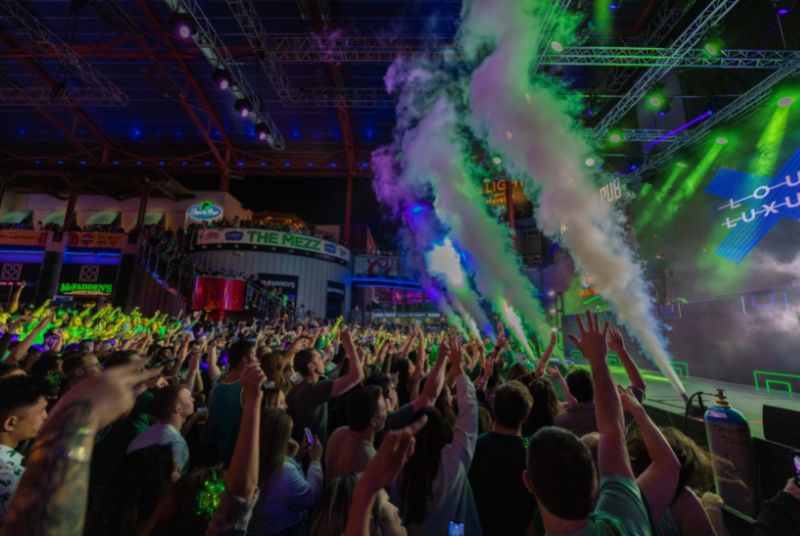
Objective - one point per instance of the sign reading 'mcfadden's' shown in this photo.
(278, 241)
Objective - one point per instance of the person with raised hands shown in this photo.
(560, 470)
(433, 488)
(616, 342)
(381, 472)
(53, 493)
(308, 400)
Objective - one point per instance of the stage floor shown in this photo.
(744, 398)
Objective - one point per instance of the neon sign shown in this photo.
(612, 191)
(757, 209)
(86, 289)
(205, 211)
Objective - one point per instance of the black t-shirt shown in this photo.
(504, 504)
(308, 406)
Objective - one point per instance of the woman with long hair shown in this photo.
(433, 488)
(285, 495)
(545, 406)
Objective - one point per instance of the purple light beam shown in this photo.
(680, 129)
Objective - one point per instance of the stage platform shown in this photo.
(662, 396)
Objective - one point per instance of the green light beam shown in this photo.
(690, 185)
(649, 211)
(769, 145)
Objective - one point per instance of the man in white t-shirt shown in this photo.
(171, 406)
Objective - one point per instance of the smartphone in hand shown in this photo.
(455, 529)
(309, 436)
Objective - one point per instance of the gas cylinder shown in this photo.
(731, 447)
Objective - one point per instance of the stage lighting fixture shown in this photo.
(785, 102)
(783, 7)
(713, 47)
(243, 106)
(615, 5)
(497, 160)
(183, 25)
(262, 132)
(589, 162)
(557, 46)
(222, 78)
(722, 140)
(681, 165)
(615, 137)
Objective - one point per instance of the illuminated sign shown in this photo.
(264, 239)
(612, 191)
(495, 192)
(756, 204)
(205, 211)
(86, 289)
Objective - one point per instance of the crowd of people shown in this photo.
(117, 423)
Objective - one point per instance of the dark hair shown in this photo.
(276, 430)
(562, 471)
(383, 381)
(163, 402)
(239, 350)
(545, 406)
(362, 406)
(176, 512)
(45, 365)
(580, 385)
(512, 404)
(120, 358)
(415, 484)
(133, 492)
(330, 515)
(696, 464)
(402, 367)
(517, 372)
(74, 362)
(19, 392)
(302, 359)
(272, 365)
(7, 369)
(485, 419)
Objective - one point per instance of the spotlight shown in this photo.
(713, 47)
(589, 162)
(613, 6)
(615, 137)
(262, 132)
(243, 106)
(785, 102)
(184, 26)
(222, 78)
(557, 46)
(497, 160)
(722, 140)
(681, 165)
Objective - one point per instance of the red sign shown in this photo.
(23, 238)
(96, 240)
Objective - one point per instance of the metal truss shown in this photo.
(645, 135)
(352, 49)
(328, 97)
(244, 11)
(654, 57)
(545, 36)
(68, 96)
(214, 49)
(713, 13)
(42, 36)
(735, 111)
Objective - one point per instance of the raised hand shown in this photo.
(629, 401)
(252, 379)
(592, 342)
(110, 394)
(395, 450)
(616, 342)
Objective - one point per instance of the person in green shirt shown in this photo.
(560, 470)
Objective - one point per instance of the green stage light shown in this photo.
(657, 202)
(769, 145)
(656, 100)
(785, 102)
(589, 162)
(713, 47)
(722, 140)
(681, 165)
(615, 137)
(497, 160)
(557, 46)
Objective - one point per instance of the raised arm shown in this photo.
(542, 365)
(355, 372)
(14, 305)
(612, 452)
(659, 481)
(382, 471)
(22, 348)
(433, 385)
(53, 493)
(617, 343)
